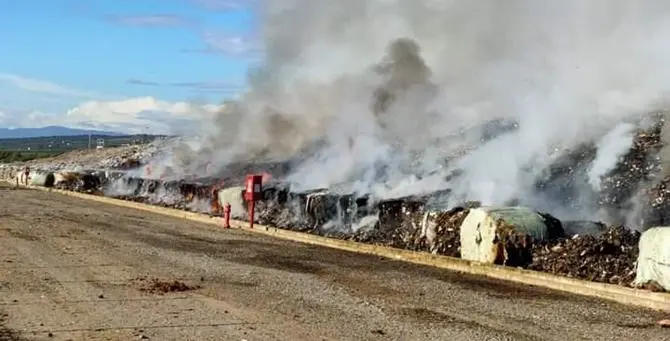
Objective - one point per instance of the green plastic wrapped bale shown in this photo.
(505, 235)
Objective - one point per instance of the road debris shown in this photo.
(158, 286)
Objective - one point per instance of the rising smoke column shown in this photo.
(566, 72)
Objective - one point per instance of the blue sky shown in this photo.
(85, 57)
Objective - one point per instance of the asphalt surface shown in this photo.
(72, 269)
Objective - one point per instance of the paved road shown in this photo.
(73, 269)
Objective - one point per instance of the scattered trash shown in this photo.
(157, 286)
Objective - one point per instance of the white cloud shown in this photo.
(45, 87)
(94, 110)
(133, 115)
(139, 115)
(156, 20)
(240, 46)
(222, 5)
(18, 118)
(235, 45)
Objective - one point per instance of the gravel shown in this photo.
(58, 263)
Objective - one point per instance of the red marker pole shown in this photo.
(226, 215)
(252, 209)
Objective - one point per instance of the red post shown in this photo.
(226, 215)
(252, 209)
(253, 192)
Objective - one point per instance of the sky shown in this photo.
(142, 66)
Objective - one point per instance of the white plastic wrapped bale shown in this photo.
(505, 235)
(653, 262)
(42, 178)
(235, 197)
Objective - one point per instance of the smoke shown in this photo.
(610, 148)
(664, 153)
(391, 97)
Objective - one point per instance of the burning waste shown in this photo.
(486, 132)
(512, 236)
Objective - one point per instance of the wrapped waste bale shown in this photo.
(441, 231)
(41, 178)
(328, 212)
(505, 235)
(235, 197)
(131, 186)
(318, 207)
(78, 181)
(653, 262)
(66, 180)
(397, 224)
(283, 208)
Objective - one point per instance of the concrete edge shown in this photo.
(611, 292)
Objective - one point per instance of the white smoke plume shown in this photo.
(375, 96)
(610, 148)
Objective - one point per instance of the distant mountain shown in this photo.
(22, 133)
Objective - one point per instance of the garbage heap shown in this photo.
(407, 223)
(608, 256)
(602, 253)
(197, 195)
(638, 175)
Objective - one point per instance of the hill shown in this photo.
(20, 133)
(24, 149)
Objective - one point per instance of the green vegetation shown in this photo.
(14, 156)
(18, 150)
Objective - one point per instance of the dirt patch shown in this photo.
(278, 262)
(429, 316)
(7, 334)
(23, 235)
(158, 286)
(6, 186)
(638, 325)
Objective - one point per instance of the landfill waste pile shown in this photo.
(638, 170)
(517, 236)
(607, 256)
(405, 223)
